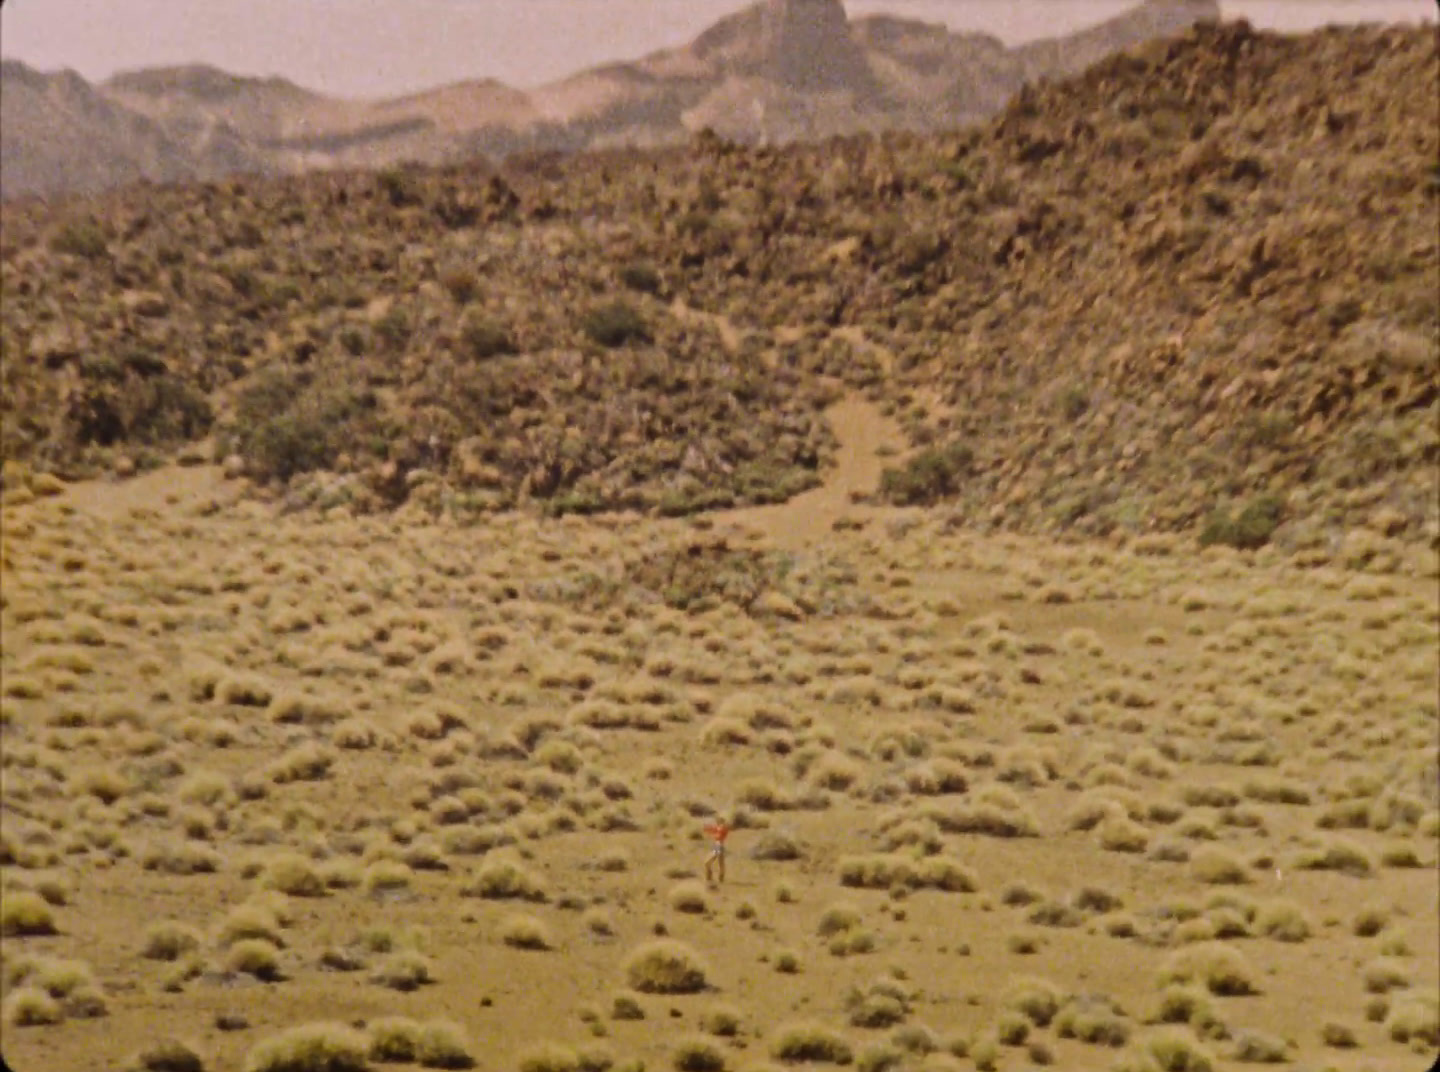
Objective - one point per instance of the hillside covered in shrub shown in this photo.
(1197, 280)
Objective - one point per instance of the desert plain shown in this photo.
(1025, 538)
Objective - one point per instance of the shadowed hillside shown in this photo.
(1185, 290)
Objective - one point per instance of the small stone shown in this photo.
(123, 466)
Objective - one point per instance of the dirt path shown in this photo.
(172, 488)
(808, 518)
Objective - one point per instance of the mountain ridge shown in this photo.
(778, 71)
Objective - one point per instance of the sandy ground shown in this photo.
(1137, 757)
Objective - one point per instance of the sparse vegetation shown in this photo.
(458, 607)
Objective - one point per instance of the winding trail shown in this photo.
(808, 518)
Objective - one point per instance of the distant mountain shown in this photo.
(781, 70)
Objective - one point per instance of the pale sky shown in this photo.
(370, 48)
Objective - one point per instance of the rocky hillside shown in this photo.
(1190, 288)
(778, 71)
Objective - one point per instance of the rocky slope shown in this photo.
(778, 71)
(1190, 279)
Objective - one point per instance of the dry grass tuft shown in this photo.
(293, 874)
(810, 1042)
(317, 1047)
(169, 941)
(522, 931)
(1221, 969)
(25, 913)
(666, 966)
(30, 1006)
(168, 1055)
(505, 879)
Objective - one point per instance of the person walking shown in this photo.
(717, 832)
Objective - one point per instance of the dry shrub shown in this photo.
(24, 912)
(763, 795)
(719, 732)
(30, 1006)
(689, 897)
(244, 691)
(386, 877)
(254, 956)
(169, 941)
(355, 734)
(837, 919)
(884, 1003)
(522, 931)
(774, 845)
(1339, 855)
(1216, 866)
(722, 1021)
(835, 771)
(697, 1054)
(307, 762)
(810, 1042)
(1168, 1050)
(1370, 920)
(1120, 834)
(404, 970)
(989, 819)
(167, 1055)
(394, 1039)
(505, 879)
(1414, 1018)
(1284, 921)
(180, 858)
(1092, 1019)
(443, 1044)
(205, 789)
(103, 783)
(293, 874)
(317, 1047)
(1338, 1036)
(550, 1057)
(626, 1007)
(666, 966)
(1038, 1000)
(305, 708)
(1219, 967)
(937, 777)
(1258, 1047)
(1384, 974)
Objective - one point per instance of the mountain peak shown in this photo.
(806, 45)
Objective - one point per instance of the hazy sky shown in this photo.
(363, 48)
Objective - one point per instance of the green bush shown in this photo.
(481, 338)
(399, 187)
(284, 428)
(81, 238)
(641, 276)
(393, 328)
(928, 477)
(1248, 530)
(615, 324)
